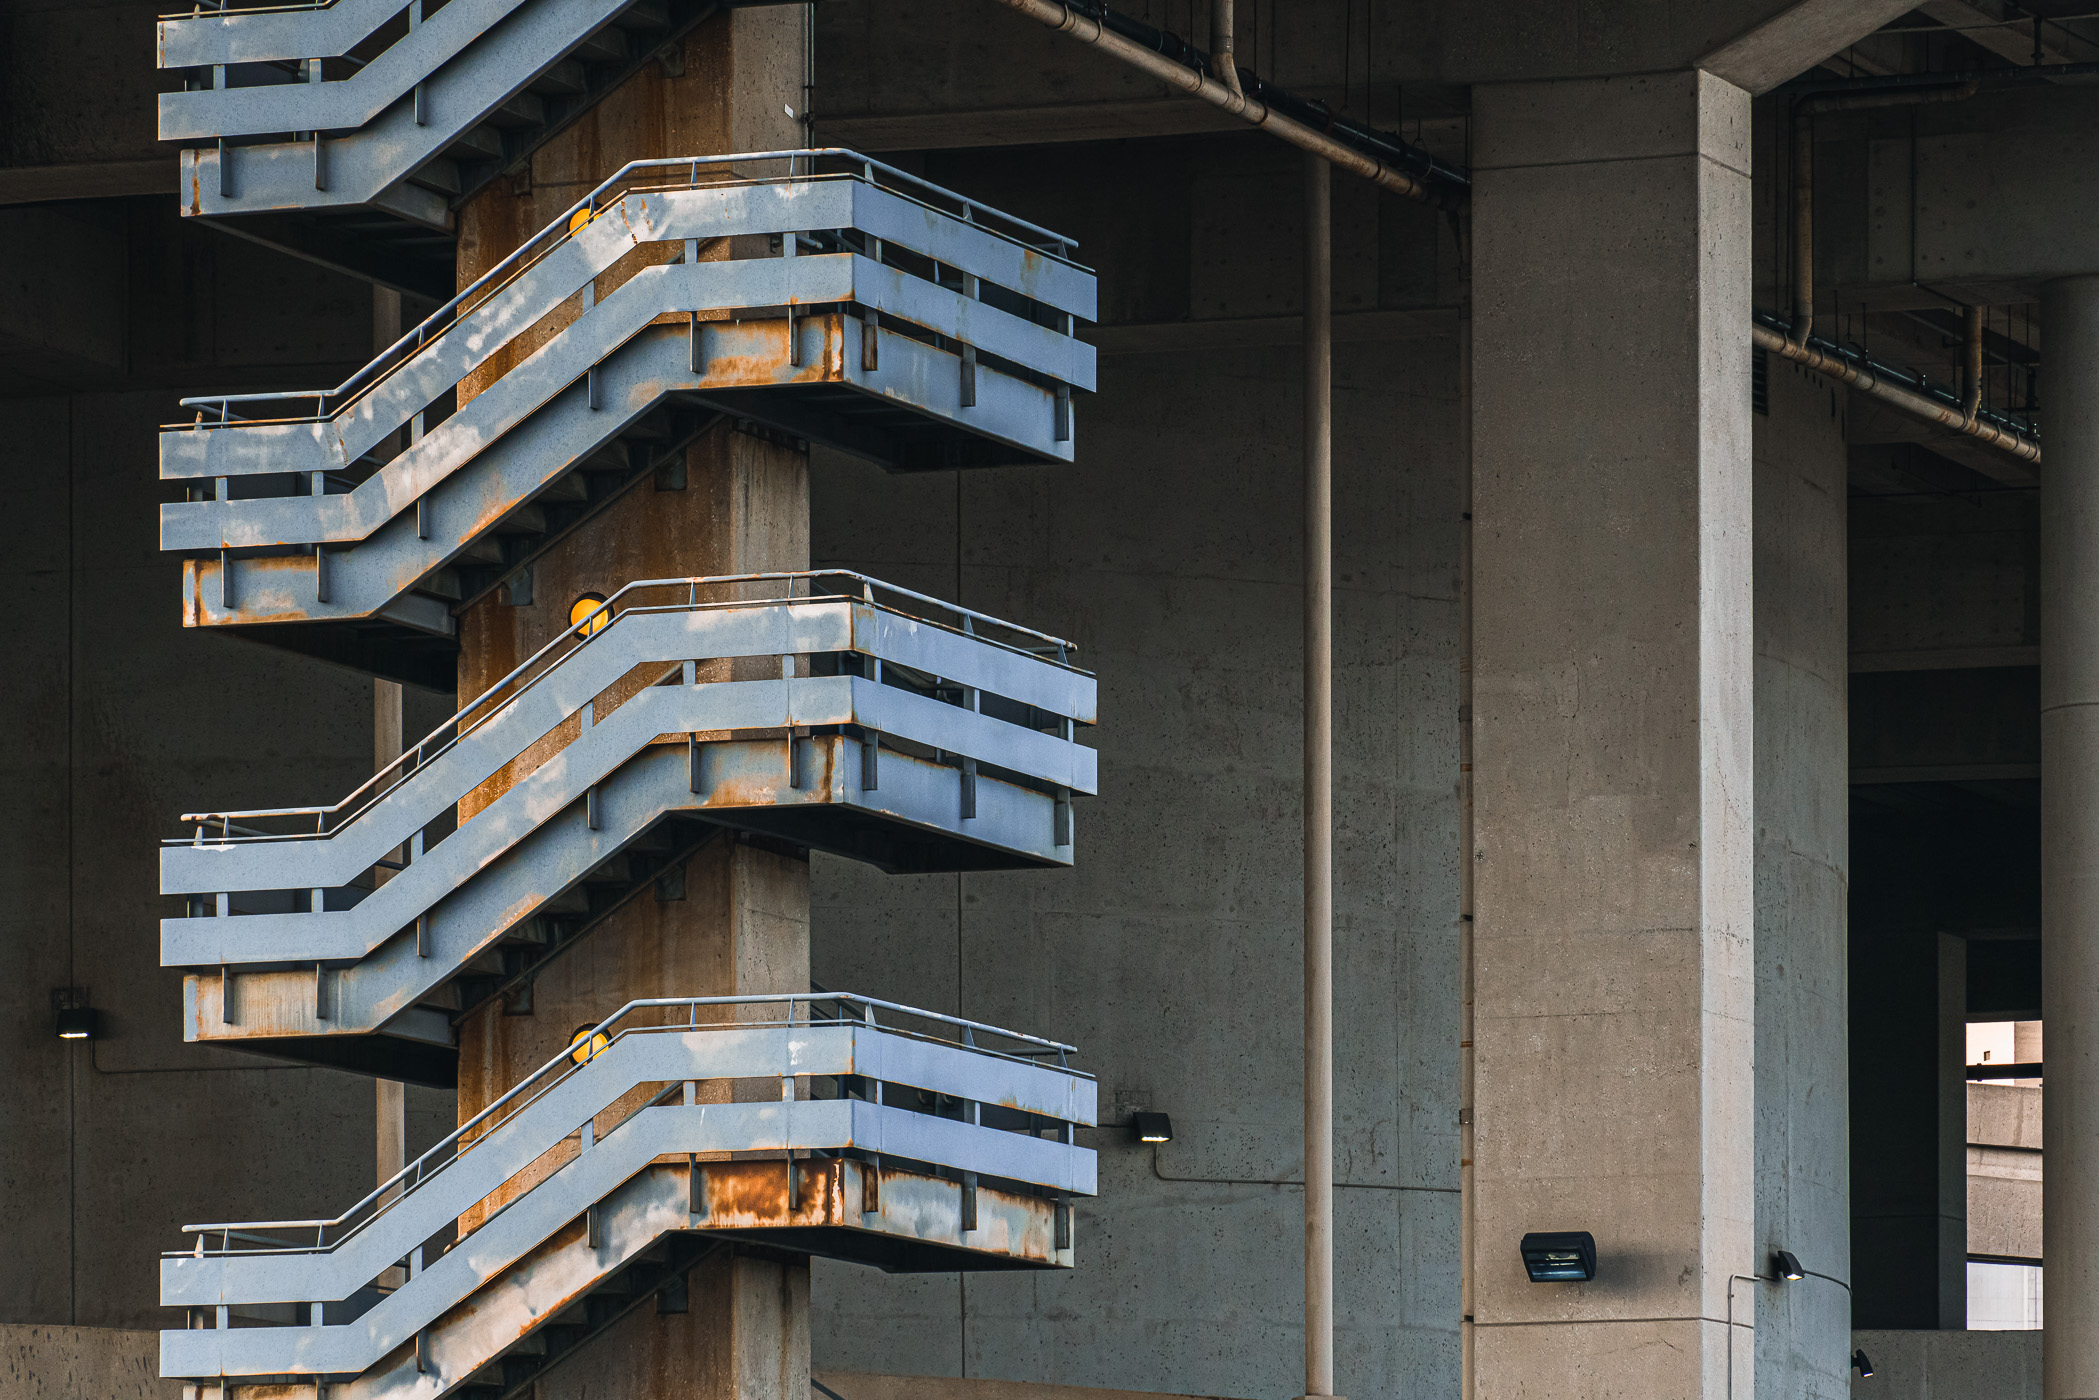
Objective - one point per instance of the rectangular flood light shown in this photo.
(1560, 1256)
(1151, 1127)
(78, 1023)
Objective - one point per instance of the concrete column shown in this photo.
(1614, 979)
(1803, 1068)
(2070, 840)
(740, 923)
(1909, 1198)
(390, 1106)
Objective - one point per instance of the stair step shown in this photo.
(482, 142)
(523, 109)
(444, 583)
(564, 79)
(612, 457)
(440, 175)
(615, 871)
(573, 901)
(485, 550)
(608, 45)
(572, 487)
(525, 520)
(644, 14)
(653, 428)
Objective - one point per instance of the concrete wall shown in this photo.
(1171, 954)
(1949, 1365)
(116, 721)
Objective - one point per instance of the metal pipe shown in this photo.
(1319, 779)
(1803, 226)
(1223, 65)
(1803, 149)
(1861, 377)
(1467, 1291)
(1971, 362)
(1088, 30)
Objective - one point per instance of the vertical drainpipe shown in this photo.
(1971, 363)
(1466, 1291)
(1319, 781)
(1224, 65)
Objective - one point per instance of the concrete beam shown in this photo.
(1796, 39)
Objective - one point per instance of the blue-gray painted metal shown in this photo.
(265, 1270)
(537, 423)
(388, 952)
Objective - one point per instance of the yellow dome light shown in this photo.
(586, 1044)
(585, 607)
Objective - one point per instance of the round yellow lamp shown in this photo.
(586, 1044)
(582, 608)
(580, 220)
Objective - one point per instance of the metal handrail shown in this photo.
(460, 1140)
(559, 229)
(582, 633)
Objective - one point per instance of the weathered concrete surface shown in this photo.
(116, 721)
(1949, 1365)
(967, 72)
(81, 1363)
(1979, 200)
(862, 1385)
(2004, 1170)
(2070, 839)
(1615, 982)
(1803, 851)
(742, 925)
(1170, 551)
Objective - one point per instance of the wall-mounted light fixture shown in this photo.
(1861, 1364)
(1151, 1127)
(78, 1023)
(1786, 1267)
(1559, 1256)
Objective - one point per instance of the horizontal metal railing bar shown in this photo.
(558, 229)
(462, 725)
(401, 1179)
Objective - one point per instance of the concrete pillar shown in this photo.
(2070, 840)
(1803, 1070)
(741, 923)
(1614, 979)
(1909, 1194)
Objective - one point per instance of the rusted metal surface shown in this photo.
(693, 1117)
(471, 432)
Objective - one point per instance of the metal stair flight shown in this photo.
(856, 1129)
(933, 738)
(349, 132)
(852, 306)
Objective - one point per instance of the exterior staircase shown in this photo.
(843, 304)
(828, 1124)
(817, 296)
(349, 132)
(879, 725)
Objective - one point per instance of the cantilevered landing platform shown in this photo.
(857, 309)
(832, 1125)
(837, 714)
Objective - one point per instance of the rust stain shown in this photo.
(753, 1195)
